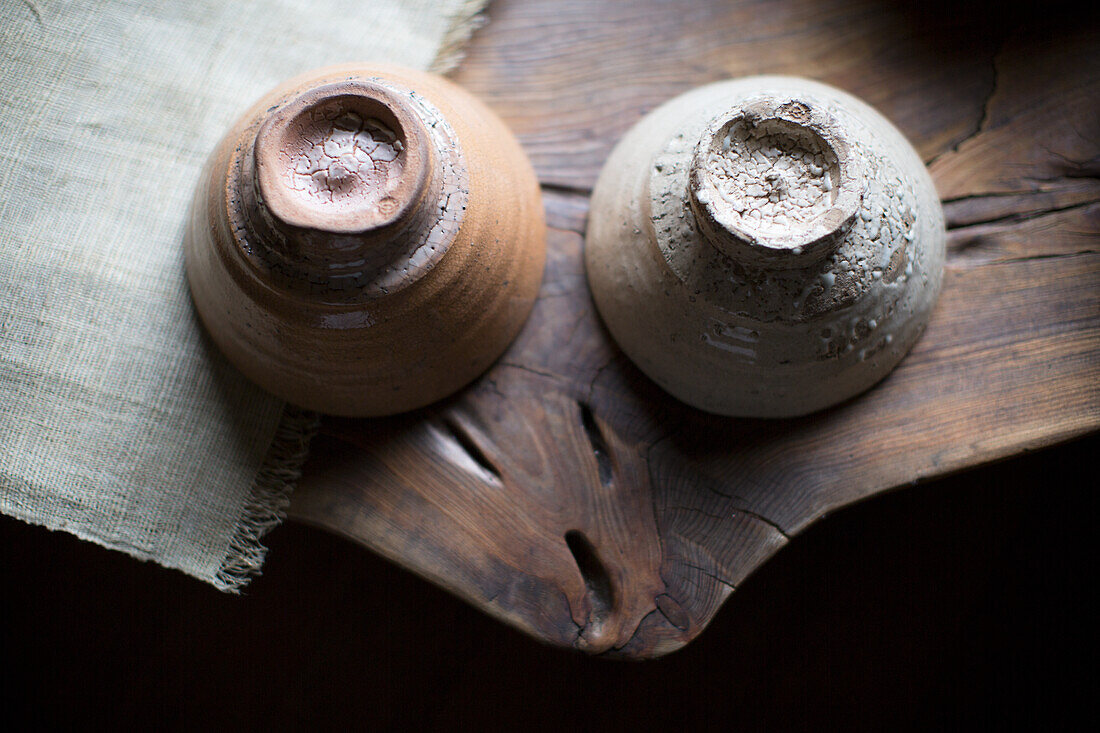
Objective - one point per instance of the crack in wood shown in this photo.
(565, 190)
(532, 370)
(1020, 217)
(693, 510)
(1075, 168)
(604, 462)
(967, 264)
(566, 207)
(1018, 193)
(735, 497)
(491, 385)
(600, 590)
(595, 378)
(1072, 175)
(466, 442)
(748, 512)
(709, 485)
(704, 571)
(983, 117)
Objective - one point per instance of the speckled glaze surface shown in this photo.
(765, 247)
(366, 240)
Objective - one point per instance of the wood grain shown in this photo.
(566, 494)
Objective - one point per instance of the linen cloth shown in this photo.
(119, 421)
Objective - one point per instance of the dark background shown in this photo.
(955, 602)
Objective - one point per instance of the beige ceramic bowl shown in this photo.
(765, 247)
(366, 240)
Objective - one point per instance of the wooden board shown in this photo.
(566, 494)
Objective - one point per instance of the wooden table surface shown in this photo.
(566, 494)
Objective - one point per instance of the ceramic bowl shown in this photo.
(765, 247)
(365, 240)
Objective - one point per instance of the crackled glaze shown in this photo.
(765, 247)
(772, 176)
(366, 240)
(343, 159)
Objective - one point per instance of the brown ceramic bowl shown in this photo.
(365, 240)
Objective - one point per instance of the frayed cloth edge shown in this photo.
(267, 503)
(466, 18)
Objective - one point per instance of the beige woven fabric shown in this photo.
(118, 420)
